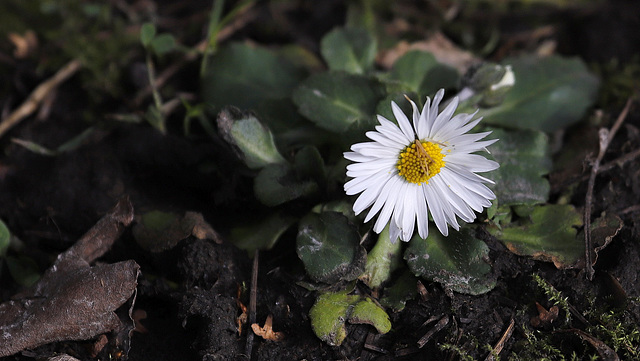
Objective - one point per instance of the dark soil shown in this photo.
(192, 293)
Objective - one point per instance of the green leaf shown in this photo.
(249, 137)
(244, 75)
(68, 146)
(549, 94)
(24, 270)
(157, 231)
(329, 246)
(147, 33)
(456, 261)
(382, 260)
(155, 118)
(163, 44)
(367, 312)
(329, 314)
(402, 289)
(336, 101)
(5, 238)
(524, 160)
(384, 106)
(35, 147)
(549, 234)
(75, 142)
(278, 183)
(342, 206)
(421, 73)
(332, 309)
(352, 50)
(263, 234)
(309, 164)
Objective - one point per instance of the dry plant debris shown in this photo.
(73, 300)
(267, 332)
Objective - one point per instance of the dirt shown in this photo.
(193, 294)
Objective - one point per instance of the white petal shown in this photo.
(389, 187)
(472, 162)
(386, 141)
(416, 115)
(391, 130)
(433, 112)
(456, 126)
(382, 164)
(373, 149)
(465, 139)
(436, 209)
(403, 122)
(410, 205)
(357, 157)
(423, 126)
(444, 117)
(394, 232)
(398, 207)
(448, 201)
(421, 213)
(370, 193)
(367, 172)
(460, 191)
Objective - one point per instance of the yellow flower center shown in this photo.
(420, 161)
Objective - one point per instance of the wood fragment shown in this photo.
(605, 352)
(606, 136)
(244, 316)
(370, 344)
(500, 345)
(72, 300)
(406, 351)
(253, 295)
(36, 97)
(422, 291)
(63, 357)
(444, 321)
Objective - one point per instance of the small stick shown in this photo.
(605, 139)
(253, 295)
(444, 321)
(500, 345)
(170, 71)
(38, 95)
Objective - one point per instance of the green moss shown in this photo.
(554, 296)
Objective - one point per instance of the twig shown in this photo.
(605, 136)
(444, 321)
(500, 345)
(166, 74)
(252, 303)
(620, 160)
(38, 95)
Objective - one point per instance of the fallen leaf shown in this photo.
(72, 300)
(25, 44)
(138, 315)
(545, 317)
(605, 352)
(267, 332)
(444, 50)
(158, 231)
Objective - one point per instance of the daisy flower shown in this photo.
(408, 171)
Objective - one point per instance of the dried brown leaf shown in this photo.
(73, 301)
(267, 332)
